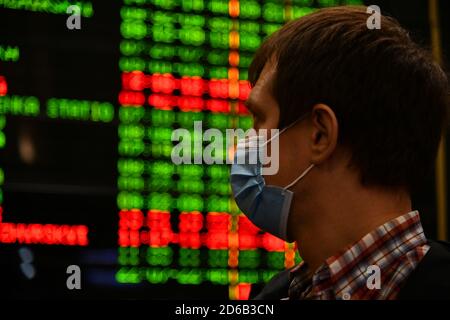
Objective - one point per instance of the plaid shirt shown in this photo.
(396, 248)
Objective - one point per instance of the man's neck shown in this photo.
(333, 224)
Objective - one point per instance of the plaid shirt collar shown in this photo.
(395, 248)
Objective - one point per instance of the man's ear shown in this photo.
(324, 133)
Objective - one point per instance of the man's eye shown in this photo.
(257, 117)
(256, 121)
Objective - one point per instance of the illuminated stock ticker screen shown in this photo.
(86, 118)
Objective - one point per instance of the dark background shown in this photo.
(73, 178)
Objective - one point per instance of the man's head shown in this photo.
(375, 104)
(373, 94)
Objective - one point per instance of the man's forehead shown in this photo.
(264, 85)
(267, 74)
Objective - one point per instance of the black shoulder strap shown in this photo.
(277, 288)
(431, 278)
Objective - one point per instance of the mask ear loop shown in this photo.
(279, 133)
(286, 128)
(300, 177)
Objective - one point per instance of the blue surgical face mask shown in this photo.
(267, 206)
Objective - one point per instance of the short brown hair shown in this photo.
(389, 96)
